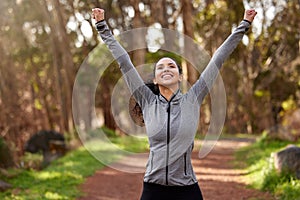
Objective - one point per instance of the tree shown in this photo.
(188, 24)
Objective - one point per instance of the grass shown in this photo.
(61, 179)
(257, 160)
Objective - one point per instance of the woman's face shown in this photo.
(167, 73)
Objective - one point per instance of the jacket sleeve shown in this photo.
(205, 82)
(133, 80)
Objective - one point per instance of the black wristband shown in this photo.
(245, 20)
(100, 26)
(98, 22)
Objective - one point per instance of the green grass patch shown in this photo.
(61, 179)
(258, 162)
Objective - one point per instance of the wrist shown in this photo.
(100, 24)
(246, 20)
(99, 21)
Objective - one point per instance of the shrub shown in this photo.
(262, 175)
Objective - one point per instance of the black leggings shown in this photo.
(153, 191)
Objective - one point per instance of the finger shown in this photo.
(250, 12)
(253, 14)
(98, 10)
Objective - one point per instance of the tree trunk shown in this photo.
(139, 55)
(62, 62)
(106, 105)
(187, 17)
(67, 64)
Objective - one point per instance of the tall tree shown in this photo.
(188, 30)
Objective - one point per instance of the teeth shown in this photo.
(166, 75)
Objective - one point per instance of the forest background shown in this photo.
(43, 43)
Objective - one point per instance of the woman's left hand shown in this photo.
(98, 14)
(250, 14)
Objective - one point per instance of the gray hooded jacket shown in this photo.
(170, 125)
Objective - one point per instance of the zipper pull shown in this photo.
(168, 108)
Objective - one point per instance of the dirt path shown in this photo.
(218, 179)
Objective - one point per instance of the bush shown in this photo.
(262, 175)
(109, 132)
(61, 179)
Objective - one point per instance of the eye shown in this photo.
(159, 67)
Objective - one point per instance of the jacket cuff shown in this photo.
(100, 25)
(245, 20)
(247, 24)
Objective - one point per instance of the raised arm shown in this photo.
(116, 49)
(133, 80)
(200, 89)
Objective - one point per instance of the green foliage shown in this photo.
(108, 132)
(32, 161)
(154, 57)
(131, 144)
(58, 181)
(258, 161)
(35, 66)
(61, 179)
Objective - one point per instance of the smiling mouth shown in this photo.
(167, 76)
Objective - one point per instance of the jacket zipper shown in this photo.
(185, 173)
(168, 141)
(168, 134)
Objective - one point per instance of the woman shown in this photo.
(170, 117)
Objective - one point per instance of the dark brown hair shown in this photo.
(135, 110)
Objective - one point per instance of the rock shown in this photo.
(41, 141)
(50, 143)
(4, 186)
(288, 160)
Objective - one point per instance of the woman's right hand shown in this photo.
(98, 14)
